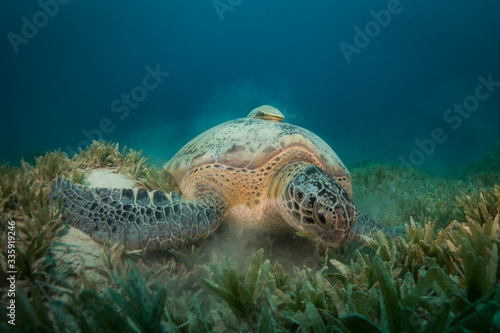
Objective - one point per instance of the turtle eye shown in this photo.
(321, 216)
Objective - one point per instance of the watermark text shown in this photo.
(454, 117)
(363, 37)
(11, 272)
(121, 106)
(48, 9)
(223, 6)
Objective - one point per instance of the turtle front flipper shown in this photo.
(137, 218)
(365, 226)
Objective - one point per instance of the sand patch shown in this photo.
(79, 251)
(108, 178)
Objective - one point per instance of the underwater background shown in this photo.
(379, 80)
(406, 92)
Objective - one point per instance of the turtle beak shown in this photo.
(331, 237)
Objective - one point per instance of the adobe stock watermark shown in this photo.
(48, 9)
(363, 37)
(223, 6)
(454, 117)
(311, 263)
(11, 272)
(121, 106)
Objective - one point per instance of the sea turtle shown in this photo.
(254, 172)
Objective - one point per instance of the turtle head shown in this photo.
(317, 206)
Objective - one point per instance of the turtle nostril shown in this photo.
(299, 194)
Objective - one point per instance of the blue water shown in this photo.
(377, 80)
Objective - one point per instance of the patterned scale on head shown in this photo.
(319, 205)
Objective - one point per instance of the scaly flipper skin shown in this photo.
(138, 219)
